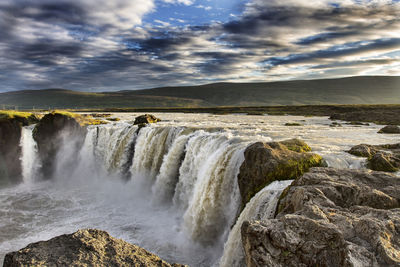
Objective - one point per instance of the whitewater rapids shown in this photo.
(171, 188)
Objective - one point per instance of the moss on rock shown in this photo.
(268, 162)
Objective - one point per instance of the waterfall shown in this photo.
(192, 171)
(29, 159)
(262, 206)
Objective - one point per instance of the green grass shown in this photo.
(11, 114)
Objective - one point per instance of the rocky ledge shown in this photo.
(88, 247)
(268, 162)
(330, 217)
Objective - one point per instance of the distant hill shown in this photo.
(353, 90)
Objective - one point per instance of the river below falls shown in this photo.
(94, 197)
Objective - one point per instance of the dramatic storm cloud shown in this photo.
(104, 45)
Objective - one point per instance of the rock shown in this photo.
(53, 131)
(363, 150)
(113, 119)
(330, 217)
(335, 124)
(89, 247)
(382, 161)
(293, 124)
(11, 124)
(267, 162)
(145, 119)
(380, 157)
(390, 129)
(357, 123)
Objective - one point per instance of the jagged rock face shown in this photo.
(390, 129)
(88, 247)
(331, 217)
(53, 131)
(268, 162)
(145, 119)
(10, 151)
(380, 157)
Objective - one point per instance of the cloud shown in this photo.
(104, 45)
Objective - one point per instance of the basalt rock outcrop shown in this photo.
(53, 131)
(10, 152)
(268, 162)
(390, 129)
(145, 119)
(379, 157)
(88, 247)
(330, 217)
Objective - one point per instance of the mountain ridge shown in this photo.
(349, 90)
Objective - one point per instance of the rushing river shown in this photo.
(171, 188)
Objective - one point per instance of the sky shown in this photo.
(111, 45)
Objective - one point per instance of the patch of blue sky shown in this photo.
(201, 12)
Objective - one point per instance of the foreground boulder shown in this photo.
(55, 130)
(390, 129)
(145, 119)
(88, 247)
(330, 217)
(379, 157)
(268, 162)
(11, 124)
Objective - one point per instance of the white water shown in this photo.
(29, 159)
(262, 206)
(182, 198)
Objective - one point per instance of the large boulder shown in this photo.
(145, 119)
(88, 247)
(268, 162)
(379, 157)
(330, 217)
(390, 129)
(11, 124)
(55, 130)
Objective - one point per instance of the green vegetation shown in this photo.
(83, 120)
(11, 114)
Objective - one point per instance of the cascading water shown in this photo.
(262, 206)
(29, 159)
(178, 197)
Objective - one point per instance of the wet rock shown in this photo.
(382, 161)
(379, 157)
(267, 162)
(335, 124)
(10, 152)
(54, 131)
(363, 150)
(88, 247)
(390, 129)
(145, 119)
(293, 124)
(330, 217)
